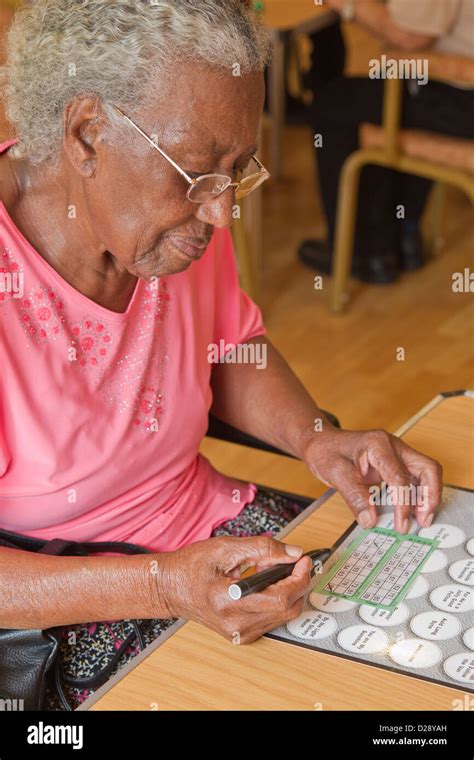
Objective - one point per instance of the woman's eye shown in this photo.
(237, 171)
(195, 175)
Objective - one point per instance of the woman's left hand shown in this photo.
(352, 461)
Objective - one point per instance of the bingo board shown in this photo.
(429, 634)
(378, 569)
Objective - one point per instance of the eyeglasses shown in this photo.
(207, 187)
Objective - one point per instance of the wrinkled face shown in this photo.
(206, 121)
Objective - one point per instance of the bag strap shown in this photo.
(114, 546)
(59, 546)
(94, 682)
(17, 541)
(98, 680)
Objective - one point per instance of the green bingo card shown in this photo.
(378, 568)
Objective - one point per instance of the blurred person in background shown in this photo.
(384, 244)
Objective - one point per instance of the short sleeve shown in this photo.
(430, 17)
(5, 457)
(237, 317)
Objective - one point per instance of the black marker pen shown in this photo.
(259, 581)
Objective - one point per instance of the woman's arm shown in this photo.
(269, 403)
(272, 404)
(375, 17)
(40, 591)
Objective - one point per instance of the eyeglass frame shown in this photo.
(263, 172)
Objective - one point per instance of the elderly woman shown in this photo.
(136, 127)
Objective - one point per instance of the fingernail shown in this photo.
(365, 518)
(293, 551)
(405, 526)
(428, 521)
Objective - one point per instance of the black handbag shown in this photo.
(30, 659)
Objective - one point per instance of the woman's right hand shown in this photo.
(193, 584)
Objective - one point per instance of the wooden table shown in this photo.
(193, 668)
(282, 18)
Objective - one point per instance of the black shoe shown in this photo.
(316, 255)
(411, 250)
(380, 270)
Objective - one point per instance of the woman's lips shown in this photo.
(190, 249)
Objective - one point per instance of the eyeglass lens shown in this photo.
(208, 188)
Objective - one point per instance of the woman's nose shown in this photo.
(220, 212)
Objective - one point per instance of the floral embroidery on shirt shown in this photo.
(91, 342)
(146, 370)
(11, 278)
(41, 314)
(133, 384)
(40, 309)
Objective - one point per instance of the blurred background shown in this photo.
(344, 348)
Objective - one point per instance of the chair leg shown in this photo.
(438, 200)
(345, 227)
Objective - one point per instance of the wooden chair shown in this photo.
(446, 160)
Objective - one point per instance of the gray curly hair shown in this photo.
(58, 49)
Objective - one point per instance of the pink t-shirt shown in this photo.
(101, 413)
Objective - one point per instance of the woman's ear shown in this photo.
(83, 128)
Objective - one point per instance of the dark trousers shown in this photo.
(341, 104)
